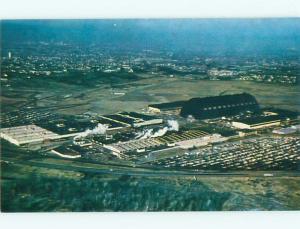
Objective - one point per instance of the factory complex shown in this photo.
(184, 140)
(38, 132)
(132, 135)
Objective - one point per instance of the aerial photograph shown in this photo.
(150, 115)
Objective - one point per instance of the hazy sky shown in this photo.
(148, 8)
(212, 36)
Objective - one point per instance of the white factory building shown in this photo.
(29, 135)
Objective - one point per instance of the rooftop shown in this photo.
(27, 134)
(218, 106)
(259, 120)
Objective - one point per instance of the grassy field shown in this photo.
(139, 93)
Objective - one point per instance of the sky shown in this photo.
(197, 36)
(147, 8)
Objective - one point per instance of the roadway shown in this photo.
(102, 168)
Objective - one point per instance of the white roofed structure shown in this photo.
(29, 134)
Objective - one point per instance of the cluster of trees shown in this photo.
(99, 193)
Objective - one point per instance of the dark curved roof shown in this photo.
(218, 106)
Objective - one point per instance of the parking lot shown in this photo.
(265, 153)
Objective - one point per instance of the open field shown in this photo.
(100, 98)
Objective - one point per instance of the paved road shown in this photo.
(97, 168)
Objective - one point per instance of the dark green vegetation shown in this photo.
(32, 189)
(102, 193)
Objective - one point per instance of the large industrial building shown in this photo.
(66, 128)
(114, 122)
(209, 107)
(219, 106)
(178, 139)
(30, 136)
(257, 122)
(133, 119)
